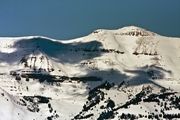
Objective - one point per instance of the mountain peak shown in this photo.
(128, 31)
(135, 31)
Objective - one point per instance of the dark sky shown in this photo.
(65, 19)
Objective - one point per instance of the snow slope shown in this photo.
(82, 78)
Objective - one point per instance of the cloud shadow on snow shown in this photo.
(60, 52)
(147, 74)
(143, 75)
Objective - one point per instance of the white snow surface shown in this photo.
(125, 54)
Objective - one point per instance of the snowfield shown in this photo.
(128, 73)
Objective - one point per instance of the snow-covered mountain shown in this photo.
(128, 73)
